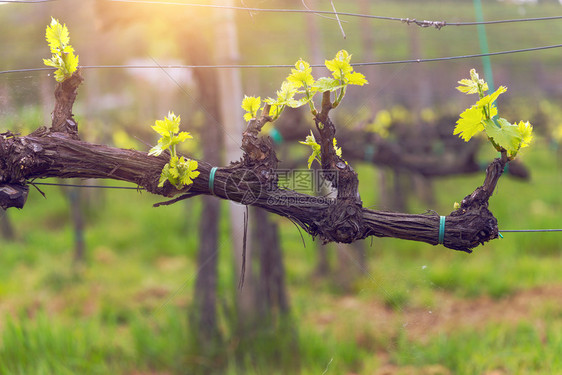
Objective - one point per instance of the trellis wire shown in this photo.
(407, 20)
(141, 188)
(530, 230)
(88, 186)
(25, 1)
(425, 23)
(258, 66)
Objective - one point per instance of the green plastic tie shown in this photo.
(483, 41)
(212, 180)
(370, 152)
(276, 136)
(499, 234)
(441, 229)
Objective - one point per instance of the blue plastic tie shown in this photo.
(212, 180)
(499, 234)
(441, 229)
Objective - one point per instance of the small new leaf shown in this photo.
(473, 85)
(63, 57)
(339, 65)
(188, 171)
(179, 171)
(336, 148)
(311, 141)
(472, 120)
(57, 36)
(525, 130)
(489, 99)
(285, 96)
(342, 71)
(302, 75)
(168, 126)
(251, 105)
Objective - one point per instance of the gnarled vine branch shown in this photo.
(57, 152)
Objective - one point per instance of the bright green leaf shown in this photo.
(63, 57)
(467, 86)
(327, 84)
(165, 175)
(473, 85)
(174, 172)
(489, 99)
(470, 123)
(311, 141)
(302, 101)
(182, 136)
(55, 61)
(251, 105)
(525, 130)
(274, 109)
(57, 36)
(188, 172)
(170, 124)
(286, 93)
(336, 148)
(302, 75)
(155, 151)
(339, 65)
(178, 171)
(355, 78)
(505, 135)
(70, 62)
(60, 75)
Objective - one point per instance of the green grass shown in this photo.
(516, 349)
(126, 308)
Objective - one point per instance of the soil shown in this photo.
(448, 314)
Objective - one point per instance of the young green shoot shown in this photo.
(63, 57)
(300, 87)
(316, 149)
(483, 116)
(179, 171)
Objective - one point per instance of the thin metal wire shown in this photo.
(530, 230)
(424, 23)
(89, 186)
(141, 188)
(256, 66)
(27, 1)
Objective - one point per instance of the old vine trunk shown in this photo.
(58, 152)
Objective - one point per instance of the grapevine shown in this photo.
(63, 57)
(483, 116)
(179, 171)
(301, 83)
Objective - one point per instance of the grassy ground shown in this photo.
(419, 309)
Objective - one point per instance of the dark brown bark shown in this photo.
(55, 155)
(65, 94)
